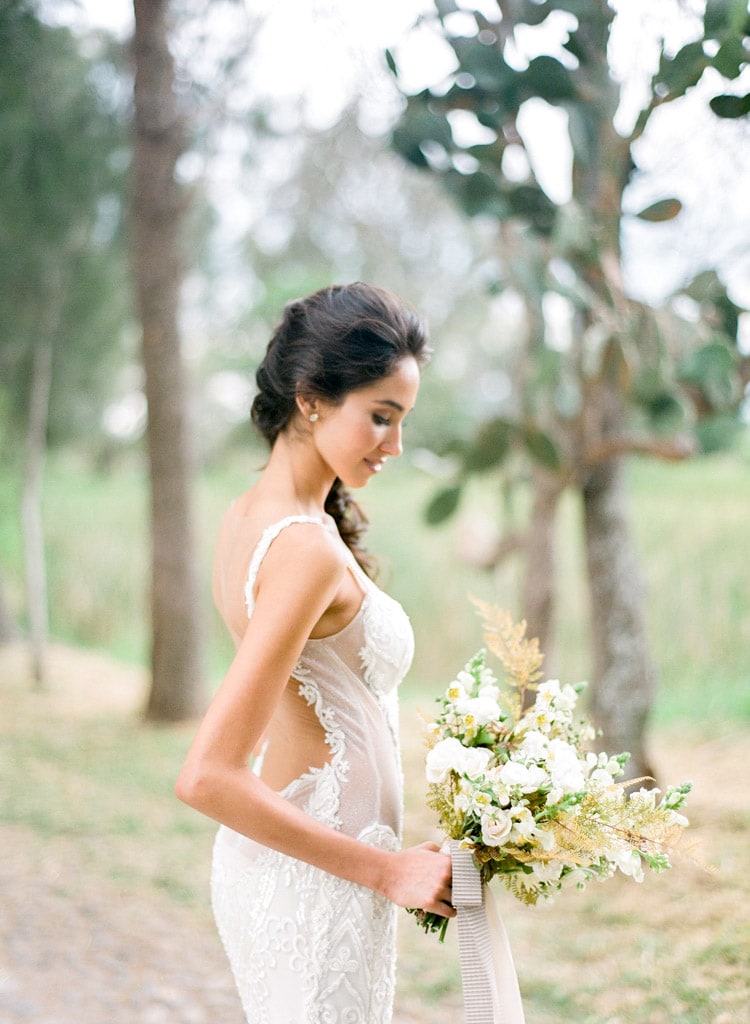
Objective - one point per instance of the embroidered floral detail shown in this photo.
(305, 946)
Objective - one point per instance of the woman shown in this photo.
(307, 870)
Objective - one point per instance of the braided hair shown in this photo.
(328, 344)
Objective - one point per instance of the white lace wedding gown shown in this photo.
(306, 947)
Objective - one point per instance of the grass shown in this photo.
(94, 786)
(689, 522)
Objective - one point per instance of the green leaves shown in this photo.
(677, 74)
(442, 505)
(541, 447)
(727, 105)
(494, 442)
(664, 209)
(711, 370)
(420, 124)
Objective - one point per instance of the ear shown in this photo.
(307, 405)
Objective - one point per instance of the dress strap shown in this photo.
(267, 538)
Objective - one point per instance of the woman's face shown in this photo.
(356, 437)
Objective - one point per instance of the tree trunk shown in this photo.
(538, 595)
(158, 208)
(623, 677)
(8, 627)
(31, 510)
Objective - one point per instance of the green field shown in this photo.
(690, 522)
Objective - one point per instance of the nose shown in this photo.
(392, 443)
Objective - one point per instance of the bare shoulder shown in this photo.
(304, 551)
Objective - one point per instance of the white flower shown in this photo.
(546, 839)
(514, 774)
(548, 691)
(475, 761)
(523, 824)
(496, 827)
(455, 692)
(487, 678)
(567, 699)
(601, 777)
(483, 710)
(564, 767)
(646, 797)
(525, 777)
(451, 755)
(534, 745)
(674, 818)
(443, 758)
(549, 872)
(629, 862)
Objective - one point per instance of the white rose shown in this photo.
(474, 760)
(451, 755)
(513, 773)
(526, 777)
(564, 766)
(443, 757)
(495, 828)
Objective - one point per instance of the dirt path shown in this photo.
(78, 950)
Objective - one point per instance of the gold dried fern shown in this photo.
(519, 656)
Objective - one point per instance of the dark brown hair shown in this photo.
(333, 342)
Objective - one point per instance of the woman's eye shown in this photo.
(381, 421)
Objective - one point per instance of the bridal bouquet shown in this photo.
(520, 786)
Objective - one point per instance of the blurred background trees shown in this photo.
(549, 369)
(63, 295)
(594, 374)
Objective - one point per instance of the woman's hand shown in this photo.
(420, 878)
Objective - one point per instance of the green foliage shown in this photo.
(663, 209)
(670, 382)
(62, 278)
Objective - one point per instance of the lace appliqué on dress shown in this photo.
(307, 947)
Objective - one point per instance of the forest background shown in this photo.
(586, 297)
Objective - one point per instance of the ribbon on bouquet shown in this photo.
(488, 975)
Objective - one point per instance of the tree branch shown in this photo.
(673, 450)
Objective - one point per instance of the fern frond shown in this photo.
(520, 657)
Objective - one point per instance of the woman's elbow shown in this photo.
(193, 786)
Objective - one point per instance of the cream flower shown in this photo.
(496, 827)
(451, 755)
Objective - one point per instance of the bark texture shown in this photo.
(31, 508)
(158, 209)
(624, 678)
(538, 597)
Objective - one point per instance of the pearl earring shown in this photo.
(314, 417)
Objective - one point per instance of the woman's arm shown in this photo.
(299, 580)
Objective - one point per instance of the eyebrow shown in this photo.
(388, 401)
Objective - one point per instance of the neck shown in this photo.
(296, 473)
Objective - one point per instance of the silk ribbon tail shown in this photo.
(510, 1009)
(488, 976)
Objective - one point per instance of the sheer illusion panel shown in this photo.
(306, 947)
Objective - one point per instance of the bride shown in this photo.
(307, 867)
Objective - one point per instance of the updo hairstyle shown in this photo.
(333, 342)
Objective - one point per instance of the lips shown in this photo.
(375, 464)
